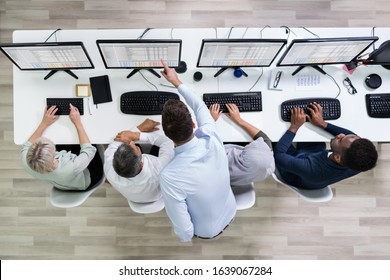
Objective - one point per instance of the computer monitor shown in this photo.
(321, 51)
(380, 56)
(57, 56)
(235, 53)
(139, 54)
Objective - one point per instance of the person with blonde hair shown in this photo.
(72, 167)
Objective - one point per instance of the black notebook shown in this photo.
(101, 91)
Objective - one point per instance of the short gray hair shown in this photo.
(40, 155)
(126, 162)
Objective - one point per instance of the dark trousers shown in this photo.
(95, 167)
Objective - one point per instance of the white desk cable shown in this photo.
(145, 31)
(288, 32)
(258, 79)
(335, 84)
(261, 30)
(373, 34)
(309, 31)
(148, 81)
(243, 35)
(54, 33)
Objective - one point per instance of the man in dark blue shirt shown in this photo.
(311, 165)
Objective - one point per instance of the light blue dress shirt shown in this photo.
(196, 184)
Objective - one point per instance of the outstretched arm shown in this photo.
(234, 115)
(193, 100)
(170, 74)
(49, 117)
(75, 118)
(316, 118)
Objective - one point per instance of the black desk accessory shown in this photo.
(182, 68)
(373, 81)
(198, 76)
(101, 91)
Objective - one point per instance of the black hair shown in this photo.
(361, 155)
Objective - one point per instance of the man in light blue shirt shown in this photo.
(195, 185)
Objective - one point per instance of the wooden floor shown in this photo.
(354, 225)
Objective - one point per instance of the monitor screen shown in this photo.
(324, 51)
(239, 52)
(380, 56)
(48, 56)
(138, 54)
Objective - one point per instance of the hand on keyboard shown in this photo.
(298, 118)
(215, 111)
(315, 115)
(245, 101)
(331, 108)
(49, 116)
(74, 114)
(234, 112)
(62, 104)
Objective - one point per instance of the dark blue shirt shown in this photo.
(308, 166)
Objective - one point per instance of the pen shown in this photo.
(277, 79)
(161, 84)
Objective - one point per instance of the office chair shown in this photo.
(69, 199)
(147, 208)
(245, 196)
(315, 195)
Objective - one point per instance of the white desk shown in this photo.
(31, 91)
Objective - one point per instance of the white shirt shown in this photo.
(145, 187)
(196, 184)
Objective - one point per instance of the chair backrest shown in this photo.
(315, 195)
(245, 196)
(147, 208)
(68, 199)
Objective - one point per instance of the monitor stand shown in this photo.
(220, 71)
(315, 67)
(52, 72)
(137, 70)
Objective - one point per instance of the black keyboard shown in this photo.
(145, 102)
(378, 105)
(330, 106)
(63, 104)
(245, 101)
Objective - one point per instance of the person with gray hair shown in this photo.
(76, 167)
(133, 174)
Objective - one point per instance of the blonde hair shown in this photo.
(40, 155)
